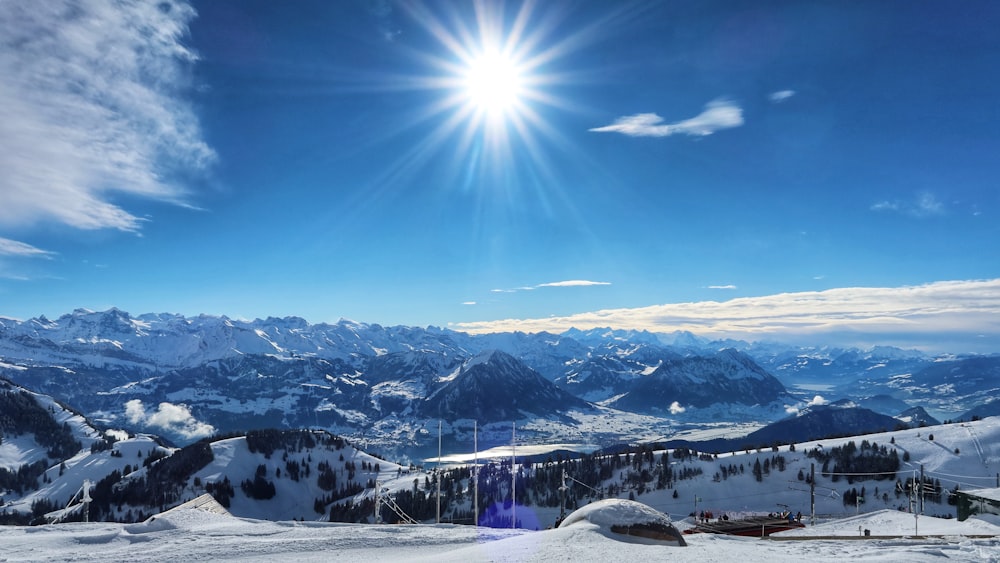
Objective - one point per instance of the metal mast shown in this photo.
(475, 472)
(513, 475)
(437, 470)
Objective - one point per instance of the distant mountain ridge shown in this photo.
(390, 385)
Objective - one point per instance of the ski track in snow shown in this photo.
(978, 445)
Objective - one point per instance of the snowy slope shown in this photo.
(192, 535)
(293, 499)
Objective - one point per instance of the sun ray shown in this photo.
(492, 75)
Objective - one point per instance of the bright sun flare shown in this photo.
(493, 67)
(493, 83)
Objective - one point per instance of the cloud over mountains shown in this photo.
(920, 315)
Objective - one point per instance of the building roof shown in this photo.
(988, 494)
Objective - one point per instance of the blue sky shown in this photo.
(814, 171)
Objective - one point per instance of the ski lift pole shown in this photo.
(562, 497)
(86, 500)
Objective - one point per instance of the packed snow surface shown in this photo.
(194, 535)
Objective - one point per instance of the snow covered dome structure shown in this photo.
(627, 520)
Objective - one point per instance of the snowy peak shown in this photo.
(917, 417)
(494, 386)
(727, 377)
(605, 335)
(496, 363)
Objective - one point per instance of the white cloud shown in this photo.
(91, 107)
(168, 416)
(468, 302)
(885, 206)
(728, 286)
(781, 95)
(817, 400)
(135, 412)
(922, 315)
(676, 408)
(572, 283)
(718, 115)
(14, 248)
(565, 283)
(925, 204)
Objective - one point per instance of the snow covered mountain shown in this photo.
(494, 386)
(949, 386)
(187, 377)
(313, 475)
(726, 377)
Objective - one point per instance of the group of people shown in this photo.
(787, 514)
(706, 516)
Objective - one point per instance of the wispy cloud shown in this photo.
(468, 302)
(719, 114)
(925, 204)
(781, 95)
(925, 315)
(168, 416)
(10, 247)
(381, 10)
(729, 286)
(91, 106)
(566, 283)
(572, 283)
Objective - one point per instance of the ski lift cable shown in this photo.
(861, 474)
(959, 476)
(585, 485)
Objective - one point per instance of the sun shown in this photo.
(490, 69)
(494, 84)
(494, 77)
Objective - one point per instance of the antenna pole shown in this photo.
(921, 499)
(475, 472)
(812, 494)
(513, 475)
(437, 516)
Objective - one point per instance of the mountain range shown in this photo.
(388, 387)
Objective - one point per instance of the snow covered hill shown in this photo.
(315, 476)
